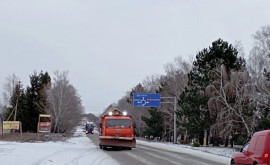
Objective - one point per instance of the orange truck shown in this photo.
(116, 130)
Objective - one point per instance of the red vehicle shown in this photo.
(256, 151)
(116, 130)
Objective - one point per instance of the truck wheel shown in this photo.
(232, 162)
(129, 148)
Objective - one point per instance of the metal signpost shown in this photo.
(174, 115)
(154, 100)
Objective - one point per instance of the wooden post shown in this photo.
(38, 126)
(38, 130)
(21, 130)
(2, 130)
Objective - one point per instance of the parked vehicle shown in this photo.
(255, 152)
(89, 128)
(116, 130)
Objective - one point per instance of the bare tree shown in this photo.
(9, 88)
(64, 103)
(261, 47)
(231, 102)
(151, 83)
(1, 106)
(173, 84)
(259, 66)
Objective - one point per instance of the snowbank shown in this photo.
(220, 153)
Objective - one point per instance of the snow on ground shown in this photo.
(80, 150)
(221, 153)
(77, 150)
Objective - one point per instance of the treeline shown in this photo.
(221, 95)
(44, 95)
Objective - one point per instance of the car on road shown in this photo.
(89, 128)
(255, 152)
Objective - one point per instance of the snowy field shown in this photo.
(79, 150)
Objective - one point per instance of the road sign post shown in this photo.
(174, 115)
(154, 100)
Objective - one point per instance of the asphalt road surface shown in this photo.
(145, 155)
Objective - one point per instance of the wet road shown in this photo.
(146, 155)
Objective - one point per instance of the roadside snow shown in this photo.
(77, 150)
(80, 150)
(214, 153)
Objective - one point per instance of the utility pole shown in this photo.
(174, 121)
(16, 106)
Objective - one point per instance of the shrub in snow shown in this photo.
(196, 144)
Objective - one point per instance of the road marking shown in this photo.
(172, 154)
(139, 158)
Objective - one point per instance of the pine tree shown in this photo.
(35, 100)
(154, 123)
(193, 101)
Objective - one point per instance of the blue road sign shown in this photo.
(146, 99)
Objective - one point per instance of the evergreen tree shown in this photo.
(35, 100)
(154, 123)
(193, 101)
(264, 122)
(137, 89)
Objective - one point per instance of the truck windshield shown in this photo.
(118, 123)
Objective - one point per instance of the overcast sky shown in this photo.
(109, 46)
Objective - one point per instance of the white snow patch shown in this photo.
(211, 153)
(77, 150)
(80, 150)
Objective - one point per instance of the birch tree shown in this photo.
(9, 88)
(151, 83)
(1, 106)
(10, 97)
(64, 103)
(231, 102)
(172, 85)
(259, 68)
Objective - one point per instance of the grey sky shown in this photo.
(109, 46)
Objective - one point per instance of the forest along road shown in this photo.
(147, 155)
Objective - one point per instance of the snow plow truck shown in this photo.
(116, 130)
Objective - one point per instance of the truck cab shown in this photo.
(116, 130)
